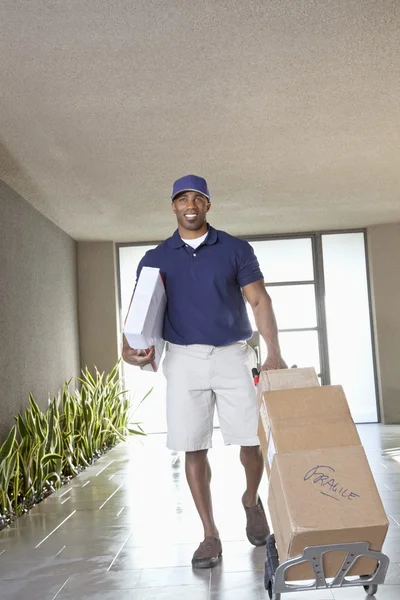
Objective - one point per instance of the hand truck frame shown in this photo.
(276, 584)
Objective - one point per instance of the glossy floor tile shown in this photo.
(127, 528)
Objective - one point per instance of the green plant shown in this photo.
(44, 449)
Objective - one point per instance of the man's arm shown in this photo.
(261, 304)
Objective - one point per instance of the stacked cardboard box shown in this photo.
(321, 489)
(279, 380)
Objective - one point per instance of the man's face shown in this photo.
(191, 210)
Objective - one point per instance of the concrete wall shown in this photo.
(99, 343)
(39, 346)
(384, 260)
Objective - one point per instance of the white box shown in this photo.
(145, 319)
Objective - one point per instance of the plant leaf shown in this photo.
(7, 447)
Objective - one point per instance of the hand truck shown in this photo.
(274, 578)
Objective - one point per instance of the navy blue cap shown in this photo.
(190, 183)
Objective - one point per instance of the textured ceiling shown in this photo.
(289, 108)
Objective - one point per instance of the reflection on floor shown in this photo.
(127, 529)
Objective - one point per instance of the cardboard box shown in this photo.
(307, 418)
(283, 379)
(279, 380)
(145, 319)
(321, 487)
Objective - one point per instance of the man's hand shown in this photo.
(137, 358)
(274, 362)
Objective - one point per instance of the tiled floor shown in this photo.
(127, 529)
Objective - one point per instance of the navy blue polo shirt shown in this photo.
(205, 304)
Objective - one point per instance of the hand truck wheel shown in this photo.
(272, 595)
(370, 590)
(271, 566)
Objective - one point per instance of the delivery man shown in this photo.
(207, 275)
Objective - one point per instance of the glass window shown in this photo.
(294, 306)
(129, 259)
(347, 315)
(151, 414)
(300, 348)
(348, 322)
(285, 260)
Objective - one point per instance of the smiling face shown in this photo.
(191, 210)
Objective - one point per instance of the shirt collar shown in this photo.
(212, 238)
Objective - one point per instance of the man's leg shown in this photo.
(257, 528)
(190, 412)
(253, 463)
(233, 386)
(198, 474)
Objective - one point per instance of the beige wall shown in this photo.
(384, 260)
(39, 346)
(99, 344)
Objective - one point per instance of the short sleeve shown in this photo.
(248, 269)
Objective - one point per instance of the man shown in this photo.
(208, 362)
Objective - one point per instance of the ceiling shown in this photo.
(289, 109)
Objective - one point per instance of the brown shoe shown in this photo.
(257, 529)
(208, 554)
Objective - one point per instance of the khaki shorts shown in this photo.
(200, 378)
